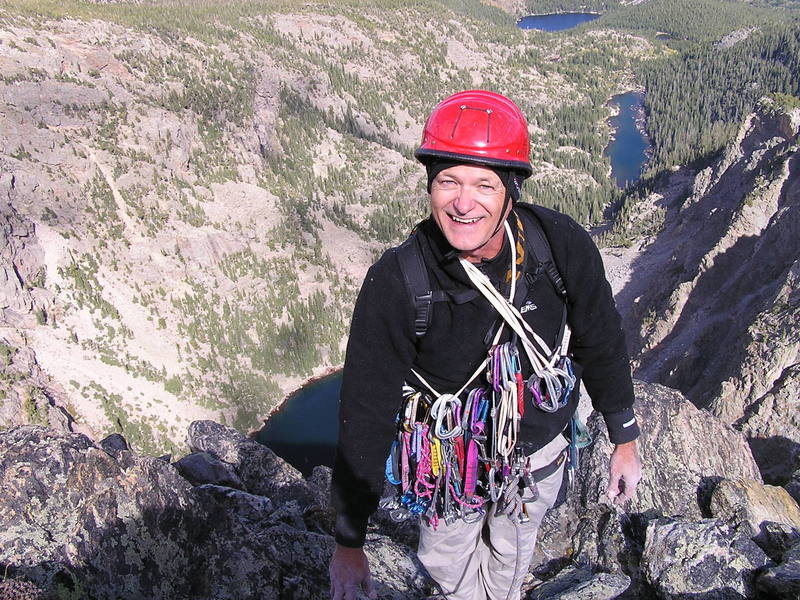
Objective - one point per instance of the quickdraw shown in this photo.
(440, 462)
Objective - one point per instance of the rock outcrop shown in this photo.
(755, 506)
(79, 519)
(22, 268)
(772, 424)
(711, 304)
(700, 487)
(30, 394)
(685, 559)
(731, 235)
(96, 520)
(679, 470)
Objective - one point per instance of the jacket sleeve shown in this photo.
(598, 341)
(380, 351)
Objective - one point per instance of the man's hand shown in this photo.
(349, 571)
(624, 472)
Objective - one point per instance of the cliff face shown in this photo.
(710, 302)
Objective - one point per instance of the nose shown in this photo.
(465, 201)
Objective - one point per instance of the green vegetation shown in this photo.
(87, 291)
(784, 102)
(699, 93)
(690, 20)
(542, 7)
(320, 106)
(718, 87)
(34, 406)
(6, 353)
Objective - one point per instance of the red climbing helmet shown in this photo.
(478, 127)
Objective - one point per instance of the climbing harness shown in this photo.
(456, 452)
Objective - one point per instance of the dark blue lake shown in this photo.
(555, 22)
(628, 150)
(305, 429)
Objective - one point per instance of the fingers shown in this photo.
(630, 488)
(624, 472)
(336, 590)
(623, 492)
(613, 487)
(347, 591)
(621, 488)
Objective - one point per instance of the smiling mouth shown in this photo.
(465, 221)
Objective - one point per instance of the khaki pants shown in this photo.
(476, 561)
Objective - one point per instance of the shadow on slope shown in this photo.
(701, 284)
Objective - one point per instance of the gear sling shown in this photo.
(441, 446)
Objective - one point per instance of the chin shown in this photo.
(463, 244)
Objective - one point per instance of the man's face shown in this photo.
(467, 204)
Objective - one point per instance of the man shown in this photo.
(476, 152)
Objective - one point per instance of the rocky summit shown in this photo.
(191, 195)
(86, 519)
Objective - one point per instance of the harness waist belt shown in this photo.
(547, 470)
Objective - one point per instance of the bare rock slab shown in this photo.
(685, 559)
(71, 517)
(82, 521)
(772, 425)
(678, 469)
(203, 468)
(259, 469)
(581, 584)
(760, 507)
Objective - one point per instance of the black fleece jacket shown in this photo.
(382, 349)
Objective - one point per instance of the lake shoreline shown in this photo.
(638, 120)
(279, 406)
(565, 12)
(553, 22)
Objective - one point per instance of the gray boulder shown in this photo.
(84, 522)
(71, 518)
(782, 582)
(678, 475)
(679, 470)
(603, 540)
(114, 443)
(709, 558)
(248, 508)
(770, 514)
(575, 583)
(201, 468)
(260, 470)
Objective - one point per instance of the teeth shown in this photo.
(457, 220)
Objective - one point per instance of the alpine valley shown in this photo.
(192, 191)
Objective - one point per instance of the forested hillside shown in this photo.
(195, 191)
(722, 57)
